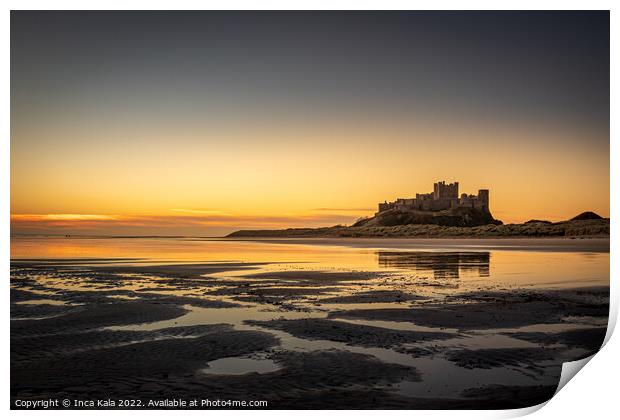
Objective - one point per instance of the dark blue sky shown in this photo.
(550, 66)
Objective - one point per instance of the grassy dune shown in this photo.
(570, 228)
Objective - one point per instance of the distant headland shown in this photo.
(444, 213)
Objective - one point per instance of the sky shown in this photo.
(202, 123)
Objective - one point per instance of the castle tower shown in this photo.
(483, 197)
(436, 189)
(441, 190)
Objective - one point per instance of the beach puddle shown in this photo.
(443, 379)
(395, 325)
(240, 366)
(234, 316)
(43, 302)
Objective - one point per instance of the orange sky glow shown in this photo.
(210, 182)
(202, 123)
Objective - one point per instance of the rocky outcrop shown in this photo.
(456, 217)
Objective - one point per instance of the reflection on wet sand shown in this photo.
(444, 265)
(298, 323)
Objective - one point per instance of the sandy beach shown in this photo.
(563, 244)
(373, 323)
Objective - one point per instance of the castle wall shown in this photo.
(444, 196)
(385, 206)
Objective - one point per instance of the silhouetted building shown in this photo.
(444, 197)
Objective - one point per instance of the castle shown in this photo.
(444, 197)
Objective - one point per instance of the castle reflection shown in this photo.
(443, 265)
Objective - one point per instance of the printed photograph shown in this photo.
(265, 210)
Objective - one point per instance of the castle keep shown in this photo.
(444, 197)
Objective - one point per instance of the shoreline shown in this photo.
(585, 244)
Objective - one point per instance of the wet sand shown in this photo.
(484, 310)
(600, 244)
(357, 335)
(298, 336)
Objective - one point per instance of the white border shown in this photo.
(592, 394)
